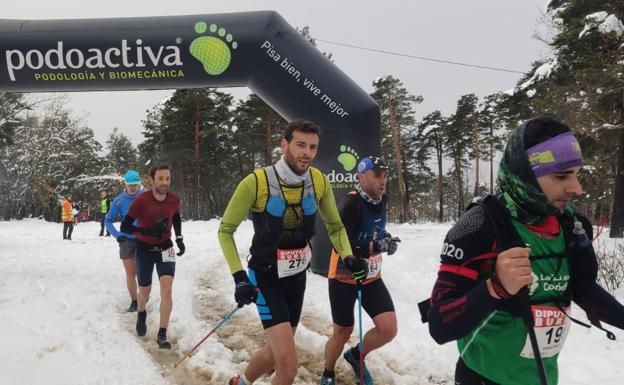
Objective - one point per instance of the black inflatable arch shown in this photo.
(259, 50)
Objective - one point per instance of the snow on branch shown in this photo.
(540, 73)
(604, 23)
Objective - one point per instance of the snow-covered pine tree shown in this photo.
(398, 131)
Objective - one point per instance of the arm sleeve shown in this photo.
(236, 211)
(586, 292)
(177, 223)
(598, 301)
(133, 212)
(330, 216)
(350, 218)
(110, 217)
(460, 301)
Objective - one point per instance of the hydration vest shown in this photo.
(283, 216)
(369, 227)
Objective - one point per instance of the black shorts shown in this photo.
(342, 296)
(279, 299)
(466, 376)
(145, 261)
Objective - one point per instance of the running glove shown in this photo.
(387, 244)
(245, 293)
(358, 266)
(181, 247)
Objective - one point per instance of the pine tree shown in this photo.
(459, 141)
(121, 155)
(468, 117)
(583, 84)
(492, 120)
(257, 135)
(192, 132)
(151, 145)
(398, 131)
(431, 140)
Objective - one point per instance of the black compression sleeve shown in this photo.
(453, 318)
(598, 300)
(460, 301)
(177, 224)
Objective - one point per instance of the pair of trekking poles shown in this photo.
(231, 313)
(528, 318)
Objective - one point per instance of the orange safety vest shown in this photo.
(67, 215)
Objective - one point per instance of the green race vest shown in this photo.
(494, 349)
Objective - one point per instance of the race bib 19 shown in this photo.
(292, 261)
(551, 329)
(168, 255)
(374, 265)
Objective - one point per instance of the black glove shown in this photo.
(245, 292)
(358, 266)
(157, 229)
(121, 239)
(387, 244)
(180, 243)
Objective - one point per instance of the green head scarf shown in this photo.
(518, 189)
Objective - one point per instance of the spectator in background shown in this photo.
(105, 203)
(67, 216)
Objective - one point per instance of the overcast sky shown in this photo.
(496, 33)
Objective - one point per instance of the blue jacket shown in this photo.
(121, 205)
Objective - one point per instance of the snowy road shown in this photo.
(62, 317)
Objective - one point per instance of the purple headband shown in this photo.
(555, 155)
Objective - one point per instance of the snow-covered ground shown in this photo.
(62, 318)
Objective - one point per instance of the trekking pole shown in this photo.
(528, 320)
(224, 320)
(359, 293)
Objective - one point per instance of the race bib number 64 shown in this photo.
(374, 265)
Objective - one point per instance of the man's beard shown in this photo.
(292, 163)
(162, 190)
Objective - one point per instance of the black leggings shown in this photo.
(102, 226)
(466, 376)
(68, 228)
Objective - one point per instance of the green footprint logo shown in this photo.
(212, 51)
(348, 157)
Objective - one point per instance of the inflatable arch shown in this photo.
(259, 50)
